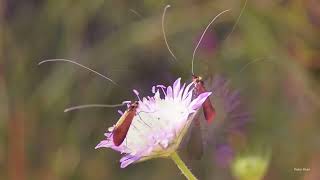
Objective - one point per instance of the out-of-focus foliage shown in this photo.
(123, 40)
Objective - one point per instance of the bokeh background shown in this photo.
(123, 40)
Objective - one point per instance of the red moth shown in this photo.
(195, 146)
(208, 109)
(122, 127)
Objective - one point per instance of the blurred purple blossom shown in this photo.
(313, 12)
(208, 44)
(236, 112)
(224, 155)
(220, 137)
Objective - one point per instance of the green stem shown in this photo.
(184, 169)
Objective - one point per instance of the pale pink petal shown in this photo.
(104, 143)
(186, 91)
(169, 92)
(187, 100)
(180, 92)
(196, 103)
(176, 88)
(127, 160)
(153, 89)
(120, 112)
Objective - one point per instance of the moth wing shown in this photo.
(122, 127)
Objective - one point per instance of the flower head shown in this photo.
(160, 123)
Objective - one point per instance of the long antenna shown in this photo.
(238, 19)
(204, 32)
(164, 32)
(135, 12)
(92, 106)
(255, 61)
(73, 62)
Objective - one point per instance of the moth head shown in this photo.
(196, 79)
(134, 105)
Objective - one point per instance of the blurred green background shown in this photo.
(123, 40)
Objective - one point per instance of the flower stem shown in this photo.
(184, 169)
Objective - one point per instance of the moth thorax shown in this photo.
(196, 79)
(134, 105)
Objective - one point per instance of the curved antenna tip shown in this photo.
(41, 62)
(92, 106)
(78, 64)
(202, 35)
(164, 32)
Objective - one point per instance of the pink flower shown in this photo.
(160, 123)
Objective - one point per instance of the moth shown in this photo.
(208, 110)
(121, 128)
(195, 147)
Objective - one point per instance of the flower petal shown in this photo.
(128, 159)
(120, 112)
(176, 88)
(169, 92)
(104, 143)
(153, 89)
(180, 92)
(196, 103)
(188, 98)
(160, 123)
(186, 91)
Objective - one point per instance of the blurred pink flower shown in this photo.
(208, 44)
(224, 155)
(236, 116)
